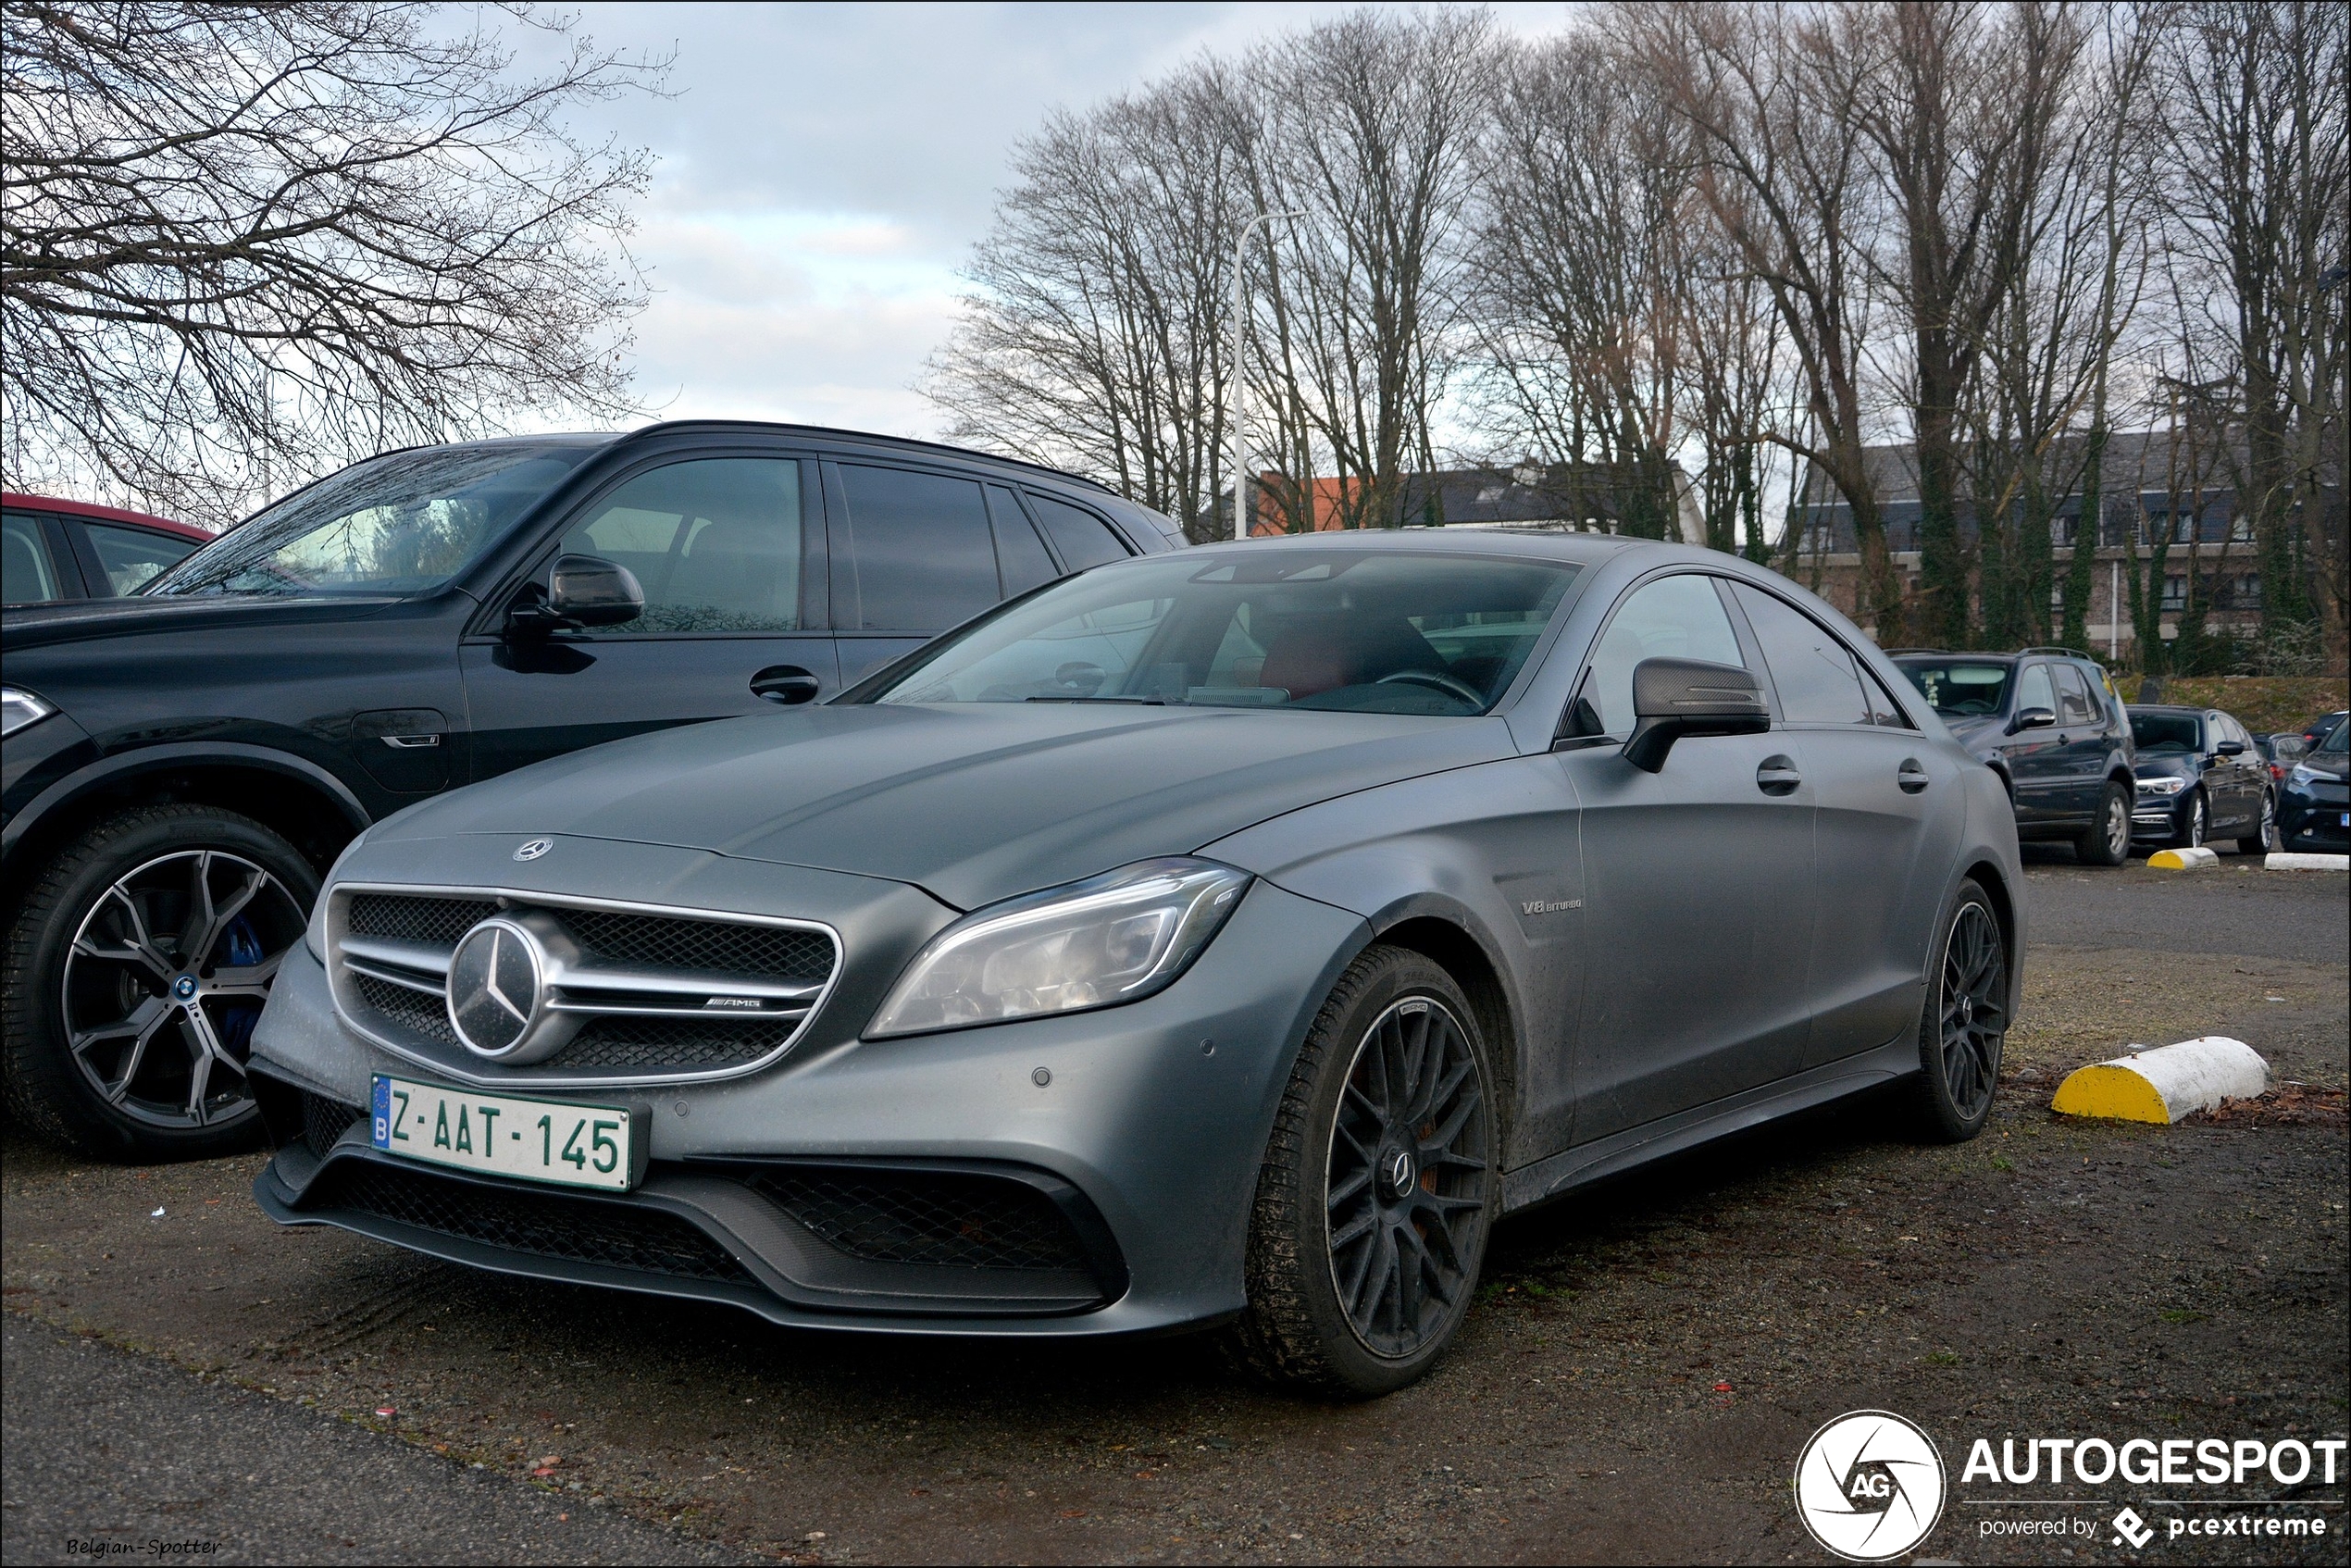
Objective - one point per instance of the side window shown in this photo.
(1884, 710)
(1083, 539)
(715, 542)
(1021, 561)
(26, 574)
(132, 556)
(920, 556)
(2075, 703)
(2034, 691)
(1812, 671)
(1674, 618)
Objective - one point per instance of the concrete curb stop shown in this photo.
(2183, 860)
(2282, 862)
(2163, 1084)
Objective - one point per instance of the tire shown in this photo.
(2265, 833)
(2193, 815)
(2107, 841)
(1372, 1312)
(99, 957)
(1964, 1024)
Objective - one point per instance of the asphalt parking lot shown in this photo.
(1647, 1361)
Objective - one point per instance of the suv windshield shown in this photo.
(1960, 688)
(2169, 733)
(406, 523)
(1353, 630)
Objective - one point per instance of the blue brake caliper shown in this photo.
(238, 1018)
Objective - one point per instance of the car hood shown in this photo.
(1975, 731)
(2166, 766)
(36, 626)
(970, 801)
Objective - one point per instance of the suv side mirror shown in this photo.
(2032, 718)
(2229, 749)
(582, 591)
(1673, 698)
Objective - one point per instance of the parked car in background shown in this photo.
(2318, 729)
(2200, 777)
(54, 550)
(183, 764)
(2051, 725)
(2314, 808)
(1224, 939)
(2281, 751)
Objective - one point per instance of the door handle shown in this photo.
(1911, 776)
(1777, 775)
(786, 684)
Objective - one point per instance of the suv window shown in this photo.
(2075, 703)
(1083, 539)
(919, 555)
(2034, 691)
(1021, 561)
(1812, 671)
(1674, 618)
(715, 543)
(133, 556)
(26, 574)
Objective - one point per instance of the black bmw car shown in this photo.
(2200, 777)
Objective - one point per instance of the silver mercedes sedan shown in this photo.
(1222, 939)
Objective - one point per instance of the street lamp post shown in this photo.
(1233, 386)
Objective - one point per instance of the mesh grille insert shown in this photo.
(915, 1217)
(417, 919)
(711, 946)
(419, 1012)
(324, 1120)
(622, 1043)
(543, 1225)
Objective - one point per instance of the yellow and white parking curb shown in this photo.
(2306, 862)
(2166, 1083)
(2183, 860)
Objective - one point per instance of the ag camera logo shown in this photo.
(1869, 1486)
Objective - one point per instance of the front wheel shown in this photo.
(2193, 817)
(1965, 1021)
(2107, 841)
(1377, 1189)
(2264, 837)
(135, 971)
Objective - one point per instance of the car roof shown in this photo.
(2167, 708)
(91, 510)
(870, 437)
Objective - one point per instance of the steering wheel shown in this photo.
(1443, 683)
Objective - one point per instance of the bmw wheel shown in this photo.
(1965, 1021)
(2190, 835)
(2265, 836)
(1377, 1189)
(136, 972)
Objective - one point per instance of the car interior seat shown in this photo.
(1323, 651)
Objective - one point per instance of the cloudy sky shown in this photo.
(825, 168)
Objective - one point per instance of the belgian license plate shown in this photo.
(599, 1146)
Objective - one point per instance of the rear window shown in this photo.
(1961, 688)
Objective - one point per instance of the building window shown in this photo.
(2175, 590)
(2240, 529)
(2249, 590)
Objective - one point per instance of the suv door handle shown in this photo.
(786, 684)
(1911, 776)
(1777, 775)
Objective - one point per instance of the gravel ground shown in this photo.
(1647, 1361)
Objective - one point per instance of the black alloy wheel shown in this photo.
(1965, 1021)
(2265, 835)
(136, 972)
(2107, 841)
(1379, 1186)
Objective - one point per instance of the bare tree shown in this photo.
(241, 245)
(1093, 338)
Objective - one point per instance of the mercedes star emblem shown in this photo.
(534, 849)
(494, 988)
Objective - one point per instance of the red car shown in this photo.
(57, 549)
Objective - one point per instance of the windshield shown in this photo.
(1354, 630)
(2169, 734)
(406, 523)
(1961, 690)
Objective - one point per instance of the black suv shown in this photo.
(182, 765)
(2048, 722)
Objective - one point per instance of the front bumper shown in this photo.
(2314, 819)
(1144, 1141)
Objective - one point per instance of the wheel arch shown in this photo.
(1986, 874)
(1451, 943)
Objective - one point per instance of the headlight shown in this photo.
(1114, 937)
(2303, 777)
(2162, 785)
(19, 708)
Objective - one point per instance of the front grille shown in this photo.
(419, 1012)
(710, 946)
(951, 1218)
(439, 921)
(542, 1224)
(622, 1042)
(324, 1121)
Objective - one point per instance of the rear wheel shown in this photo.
(2189, 835)
(2264, 837)
(1965, 1021)
(1377, 1189)
(2107, 841)
(136, 972)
